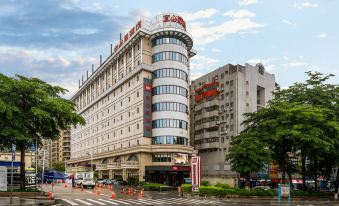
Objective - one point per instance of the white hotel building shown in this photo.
(136, 106)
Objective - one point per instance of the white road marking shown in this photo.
(113, 203)
(86, 203)
(100, 203)
(121, 202)
(70, 202)
(133, 201)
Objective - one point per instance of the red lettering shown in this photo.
(131, 32)
(116, 48)
(148, 112)
(121, 43)
(181, 21)
(166, 18)
(138, 26)
(126, 37)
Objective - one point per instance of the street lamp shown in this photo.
(91, 154)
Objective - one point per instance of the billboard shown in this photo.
(180, 158)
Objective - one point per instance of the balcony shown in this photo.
(206, 135)
(210, 145)
(114, 166)
(130, 165)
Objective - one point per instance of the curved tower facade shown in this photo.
(136, 104)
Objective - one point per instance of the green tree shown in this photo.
(59, 166)
(31, 110)
(296, 121)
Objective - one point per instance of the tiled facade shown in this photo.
(218, 101)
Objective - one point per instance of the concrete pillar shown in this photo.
(110, 174)
(124, 174)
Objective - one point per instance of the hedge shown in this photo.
(154, 187)
(306, 193)
(222, 192)
(225, 186)
(186, 188)
(204, 183)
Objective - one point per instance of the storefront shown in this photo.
(167, 175)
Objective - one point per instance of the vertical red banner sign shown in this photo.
(196, 173)
(147, 107)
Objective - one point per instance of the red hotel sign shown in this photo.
(147, 107)
(195, 173)
(127, 36)
(174, 18)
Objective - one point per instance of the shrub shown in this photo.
(225, 186)
(262, 192)
(132, 181)
(186, 188)
(204, 183)
(155, 187)
(305, 193)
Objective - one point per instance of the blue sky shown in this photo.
(58, 40)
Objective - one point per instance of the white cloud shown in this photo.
(306, 5)
(207, 34)
(247, 2)
(215, 50)
(322, 35)
(239, 14)
(202, 64)
(288, 22)
(294, 64)
(201, 14)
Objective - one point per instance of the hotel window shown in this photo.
(170, 72)
(168, 40)
(161, 158)
(170, 106)
(169, 55)
(169, 123)
(169, 89)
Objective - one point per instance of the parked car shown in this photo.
(99, 180)
(108, 182)
(86, 183)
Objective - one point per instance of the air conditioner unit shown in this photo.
(218, 89)
(218, 122)
(222, 88)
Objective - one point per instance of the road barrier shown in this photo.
(50, 195)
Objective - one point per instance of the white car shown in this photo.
(87, 182)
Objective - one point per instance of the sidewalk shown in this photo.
(25, 201)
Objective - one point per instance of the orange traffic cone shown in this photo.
(98, 193)
(82, 188)
(141, 194)
(65, 185)
(50, 195)
(129, 191)
(113, 195)
(75, 187)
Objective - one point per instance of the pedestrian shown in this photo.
(73, 182)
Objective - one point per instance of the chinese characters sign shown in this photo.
(127, 36)
(147, 107)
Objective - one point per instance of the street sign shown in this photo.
(3, 178)
(13, 152)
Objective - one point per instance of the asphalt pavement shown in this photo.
(103, 196)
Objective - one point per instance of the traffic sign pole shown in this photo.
(12, 171)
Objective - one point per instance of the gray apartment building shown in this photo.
(218, 101)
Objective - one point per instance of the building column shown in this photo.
(141, 50)
(132, 56)
(110, 174)
(124, 174)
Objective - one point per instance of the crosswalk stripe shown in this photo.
(161, 201)
(69, 202)
(134, 202)
(100, 203)
(145, 202)
(121, 202)
(113, 203)
(151, 201)
(86, 203)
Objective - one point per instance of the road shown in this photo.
(70, 196)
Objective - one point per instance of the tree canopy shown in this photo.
(301, 121)
(31, 110)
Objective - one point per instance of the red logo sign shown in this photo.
(174, 18)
